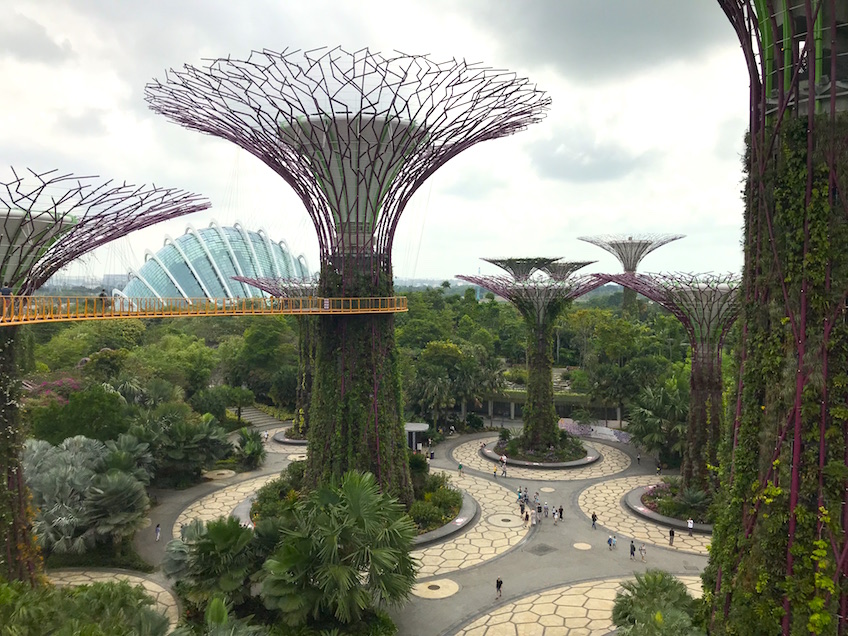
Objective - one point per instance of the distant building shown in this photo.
(201, 264)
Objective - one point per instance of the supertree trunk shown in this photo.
(20, 558)
(356, 415)
(306, 342)
(705, 416)
(628, 303)
(779, 545)
(540, 419)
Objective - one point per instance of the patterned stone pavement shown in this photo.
(582, 609)
(293, 451)
(221, 502)
(612, 461)
(497, 530)
(166, 602)
(604, 499)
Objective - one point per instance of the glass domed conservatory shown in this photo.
(201, 264)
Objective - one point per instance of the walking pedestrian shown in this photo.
(594, 521)
(560, 512)
(638, 459)
(498, 586)
(614, 542)
(659, 469)
(609, 543)
(546, 509)
(555, 516)
(460, 469)
(691, 525)
(642, 552)
(632, 550)
(671, 536)
(495, 472)
(503, 469)
(526, 518)
(158, 532)
(519, 494)
(522, 508)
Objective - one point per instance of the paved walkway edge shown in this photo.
(467, 514)
(633, 501)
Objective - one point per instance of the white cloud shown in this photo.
(630, 143)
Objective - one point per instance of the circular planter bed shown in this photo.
(488, 452)
(281, 438)
(633, 501)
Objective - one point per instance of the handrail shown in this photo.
(18, 310)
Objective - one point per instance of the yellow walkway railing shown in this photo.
(19, 310)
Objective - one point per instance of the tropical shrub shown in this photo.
(80, 500)
(250, 449)
(655, 604)
(425, 514)
(275, 499)
(347, 551)
(215, 559)
(100, 609)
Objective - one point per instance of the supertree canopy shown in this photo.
(707, 305)
(49, 220)
(779, 556)
(539, 300)
(355, 135)
(630, 249)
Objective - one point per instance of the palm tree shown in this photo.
(215, 559)
(218, 622)
(347, 551)
(116, 506)
(655, 600)
(658, 421)
(131, 456)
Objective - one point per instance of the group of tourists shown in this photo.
(533, 512)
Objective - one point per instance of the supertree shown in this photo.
(355, 135)
(50, 219)
(306, 341)
(540, 300)
(707, 305)
(779, 558)
(630, 249)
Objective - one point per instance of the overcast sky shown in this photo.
(645, 131)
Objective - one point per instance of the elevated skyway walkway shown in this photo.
(21, 310)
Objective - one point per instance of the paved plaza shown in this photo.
(581, 609)
(604, 499)
(558, 580)
(612, 461)
(498, 529)
(220, 503)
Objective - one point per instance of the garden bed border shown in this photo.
(633, 502)
(592, 455)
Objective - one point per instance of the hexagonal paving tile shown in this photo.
(484, 540)
(571, 610)
(604, 499)
(220, 503)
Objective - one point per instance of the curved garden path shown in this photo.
(604, 499)
(579, 609)
(498, 529)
